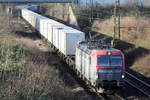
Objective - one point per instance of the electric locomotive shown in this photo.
(100, 64)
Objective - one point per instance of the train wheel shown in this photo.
(77, 73)
(94, 84)
(90, 83)
(100, 90)
(87, 82)
(109, 92)
(83, 78)
(80, 75)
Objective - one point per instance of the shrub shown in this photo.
(12, 59)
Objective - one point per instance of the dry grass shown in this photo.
(142, 65)
(40, 78)
(136, 31)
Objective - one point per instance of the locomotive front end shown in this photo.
(110, 67)
(100, 65)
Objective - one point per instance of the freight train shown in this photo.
(95, 62)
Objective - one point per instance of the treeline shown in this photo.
(98, 11)
(103, 12)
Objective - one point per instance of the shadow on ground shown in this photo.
(31, 35)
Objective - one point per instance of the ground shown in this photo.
(44, 75)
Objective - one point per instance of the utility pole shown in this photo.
(91, 16)
(139, 5)
(116, 21)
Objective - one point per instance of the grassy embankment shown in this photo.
(25, 74)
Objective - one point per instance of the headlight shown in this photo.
(123, 76)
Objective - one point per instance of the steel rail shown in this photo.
(138, 79)
(136, 84)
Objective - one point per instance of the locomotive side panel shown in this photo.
(78, 60)
(85, 65)
(93, 71)
(82, 63)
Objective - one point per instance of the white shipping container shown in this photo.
(33, 7)
(43, 27)
(29, 16)
(37, 26)
(46, 27)
(69, 39)
(56, 32)
(51, 24)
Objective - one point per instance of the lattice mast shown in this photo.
(116, 21)
(91, 15)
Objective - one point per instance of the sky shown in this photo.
(100, 1)
(145, 2)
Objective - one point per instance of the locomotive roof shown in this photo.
(88, 46)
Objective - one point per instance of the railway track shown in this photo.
(102, 96)
(138, 84)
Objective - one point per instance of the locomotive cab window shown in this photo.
(103, 60)
(109, 61)
(116, 61)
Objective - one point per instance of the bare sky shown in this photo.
(145, 2)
